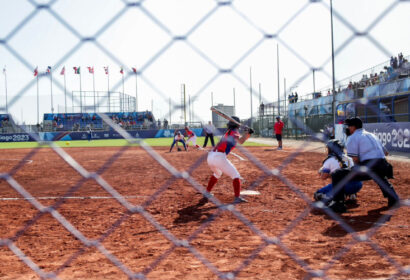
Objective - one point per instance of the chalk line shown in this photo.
(71, 197)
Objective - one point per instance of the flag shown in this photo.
(106, 70)
(91, 69)
(62, 71)
(122, 71)
(48, 69)
(36, 71)
(134, 69)
(76, 70)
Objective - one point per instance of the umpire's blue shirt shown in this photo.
(364, 145)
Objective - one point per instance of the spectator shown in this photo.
(159, 123)
(391, 61)
(261, 109)
(165, 123)
(328, 92)
(296, 97)
(395, 63)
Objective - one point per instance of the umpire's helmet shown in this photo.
(232, 125)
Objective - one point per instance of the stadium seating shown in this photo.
(81, 121)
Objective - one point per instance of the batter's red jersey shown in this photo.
(278, 127)
(228, 142)
(189, 133)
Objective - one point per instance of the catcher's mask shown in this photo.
(232, 125)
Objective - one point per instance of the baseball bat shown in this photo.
(225, 116)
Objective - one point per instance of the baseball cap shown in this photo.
(356, 122)
(278, 117)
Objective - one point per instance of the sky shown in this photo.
(213, 47)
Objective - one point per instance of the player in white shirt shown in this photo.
(178, 138)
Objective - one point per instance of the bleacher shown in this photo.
(6, 124)
(82, 121)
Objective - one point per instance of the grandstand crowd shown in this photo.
(84, 121)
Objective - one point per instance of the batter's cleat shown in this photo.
(337, 206)
(280, 148)
(239, 199)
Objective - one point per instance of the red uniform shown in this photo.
(278, 127)
(228, 142)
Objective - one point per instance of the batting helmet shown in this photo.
(232, 125)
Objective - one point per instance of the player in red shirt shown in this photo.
(278, 131)
(191, 137)
(218, 162)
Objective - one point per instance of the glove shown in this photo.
(179, 149)
(250, 130)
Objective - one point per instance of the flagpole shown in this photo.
(81, 94)
(136, 92)
(38, 104)
(277, 58)
(123, 94)
(51, 89)
(250, 89)
(5, 83)
(109, 95)
(95, 108)
(65, 95)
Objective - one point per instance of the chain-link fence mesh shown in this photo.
(308, 128)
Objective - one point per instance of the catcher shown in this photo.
(335, 160)
(219, 163)
(178, 137)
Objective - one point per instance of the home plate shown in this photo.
(250, 192)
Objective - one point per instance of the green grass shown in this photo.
(154, 142)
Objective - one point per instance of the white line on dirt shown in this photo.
(238, 156)
(16, 159)
(71, 197)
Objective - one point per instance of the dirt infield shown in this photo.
(226, 242)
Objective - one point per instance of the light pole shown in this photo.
(333, 63)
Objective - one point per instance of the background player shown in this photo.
(278, 131)
(178, 137)
(335, 160)
(218, 162)
(191, 137)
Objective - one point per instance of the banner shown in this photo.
(394, 136)
(16, 137)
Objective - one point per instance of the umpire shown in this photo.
(209, 133)
(366, 150)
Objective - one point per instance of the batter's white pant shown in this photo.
(192, 139)
(219, 164)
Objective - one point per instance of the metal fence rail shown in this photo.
(131, 209)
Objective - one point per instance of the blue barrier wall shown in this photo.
(112, 134)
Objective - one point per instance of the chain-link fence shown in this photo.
(304, 127)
